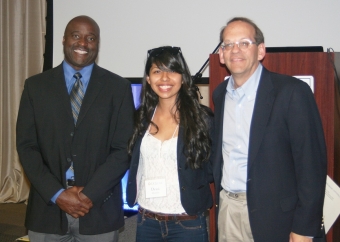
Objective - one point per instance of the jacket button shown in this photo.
(69, 159)
(183, 188)
(72, 133)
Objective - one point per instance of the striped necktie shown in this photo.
(76, 96)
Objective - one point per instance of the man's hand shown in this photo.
(299, 238)
(71, 201)
(84, 198)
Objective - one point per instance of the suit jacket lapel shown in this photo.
(180, 146)
(93, 89)
(219, 112)
(61, 90)
(263, 105)
(219, 102)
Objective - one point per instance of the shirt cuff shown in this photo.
(54, 198)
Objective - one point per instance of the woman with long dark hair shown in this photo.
(170, 148)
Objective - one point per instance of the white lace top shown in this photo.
(159, 160)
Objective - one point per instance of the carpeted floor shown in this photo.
(12, 219)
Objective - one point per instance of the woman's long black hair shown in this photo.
(193, 117)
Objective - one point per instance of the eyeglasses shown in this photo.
(242, 44)
(157, 51)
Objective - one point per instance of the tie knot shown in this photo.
(77, 75)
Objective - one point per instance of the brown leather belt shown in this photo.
(164, 216)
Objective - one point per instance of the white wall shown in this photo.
(129, 28)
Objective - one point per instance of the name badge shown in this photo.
(155, 188)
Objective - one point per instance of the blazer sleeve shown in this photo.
(310, 159)
(29, 150)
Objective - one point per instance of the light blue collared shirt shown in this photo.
(238, 111)
(69, 81)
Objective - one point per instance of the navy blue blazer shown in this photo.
(194, 187)
(287, 163)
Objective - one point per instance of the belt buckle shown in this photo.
(235, 195)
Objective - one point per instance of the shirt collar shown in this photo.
(248, 89)
(69, 71)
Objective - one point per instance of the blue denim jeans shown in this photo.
(151, 230)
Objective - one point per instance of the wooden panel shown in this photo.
(316, 64)
(212, 216)
(217, 72)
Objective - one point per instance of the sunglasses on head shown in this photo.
(157, 51)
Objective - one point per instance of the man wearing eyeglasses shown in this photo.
(269, 159)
